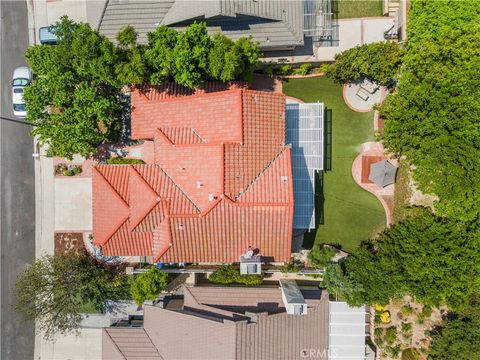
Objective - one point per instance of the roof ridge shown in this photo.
(261, 173)
(179, 188)
(153, 203)
(95, 168)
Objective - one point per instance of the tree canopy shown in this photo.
(73, 100)
(379, 62)
(147, 286)
(431, 258)
(433, 117)
(459, 337)
(54, 289)
(191, 57)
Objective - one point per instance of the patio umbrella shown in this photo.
(382, 173)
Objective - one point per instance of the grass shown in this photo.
(350, 214)
(359, 8)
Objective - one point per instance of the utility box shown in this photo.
(292, 297)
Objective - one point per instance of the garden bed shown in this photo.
(66, 242)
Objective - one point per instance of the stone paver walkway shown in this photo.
(385, 195)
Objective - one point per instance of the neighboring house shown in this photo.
(220, 183)
(273, 24)
(242, 323)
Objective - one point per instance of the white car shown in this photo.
(22, 76)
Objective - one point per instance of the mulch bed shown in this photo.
(366, 162)
(65, 242)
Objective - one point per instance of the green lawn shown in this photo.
(351, 214)
(359, 8)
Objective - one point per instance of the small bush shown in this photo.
(285, 69)
(410, 354)
(379, 333)
(77, 170)
(148, 285)
(406, 310)
(249, 279)
(268, 69)
(68, 172)
(391, 335)
(425, 314)
(321, 255)
(304, 69)
(393, 351)
(323, 68)
(291, 267)
(228, 274)
(124, 161)
(385, 317)
(406, 327)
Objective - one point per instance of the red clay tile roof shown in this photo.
(215, 117)
(221, 181)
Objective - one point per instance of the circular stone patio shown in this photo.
(362, 94)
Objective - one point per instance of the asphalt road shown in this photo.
(17, 187)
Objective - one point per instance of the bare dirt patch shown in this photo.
(68, 242)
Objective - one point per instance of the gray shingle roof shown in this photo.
(196, 333)
(271, 23)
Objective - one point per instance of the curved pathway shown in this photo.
(384, 195)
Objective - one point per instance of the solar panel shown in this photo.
(304, 133)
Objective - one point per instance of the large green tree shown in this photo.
(73, 99)
(191, 57)
(459, 337)
(433, 259)
(433, 117)
(378, 61)
(131, 67)
(54, 289)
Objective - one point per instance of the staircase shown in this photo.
(390, 7)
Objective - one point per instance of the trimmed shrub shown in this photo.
(228, 274)
(304, 69)
(123, 161)
(285, 69)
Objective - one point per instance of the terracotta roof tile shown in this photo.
(162, 240)
(182, 135)
(178, 201)
(228, 230)
(206, 146)
(124, 242)
(273, 185)
(110, 211)
(196, 170)
(263, 139)
(215, 117)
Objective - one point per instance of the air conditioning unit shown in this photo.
(250, 264)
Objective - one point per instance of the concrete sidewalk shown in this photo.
(88, 345)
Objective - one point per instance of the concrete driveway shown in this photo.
(73, 204)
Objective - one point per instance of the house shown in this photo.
(248, 323)
(220, 183)
(273, 24)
